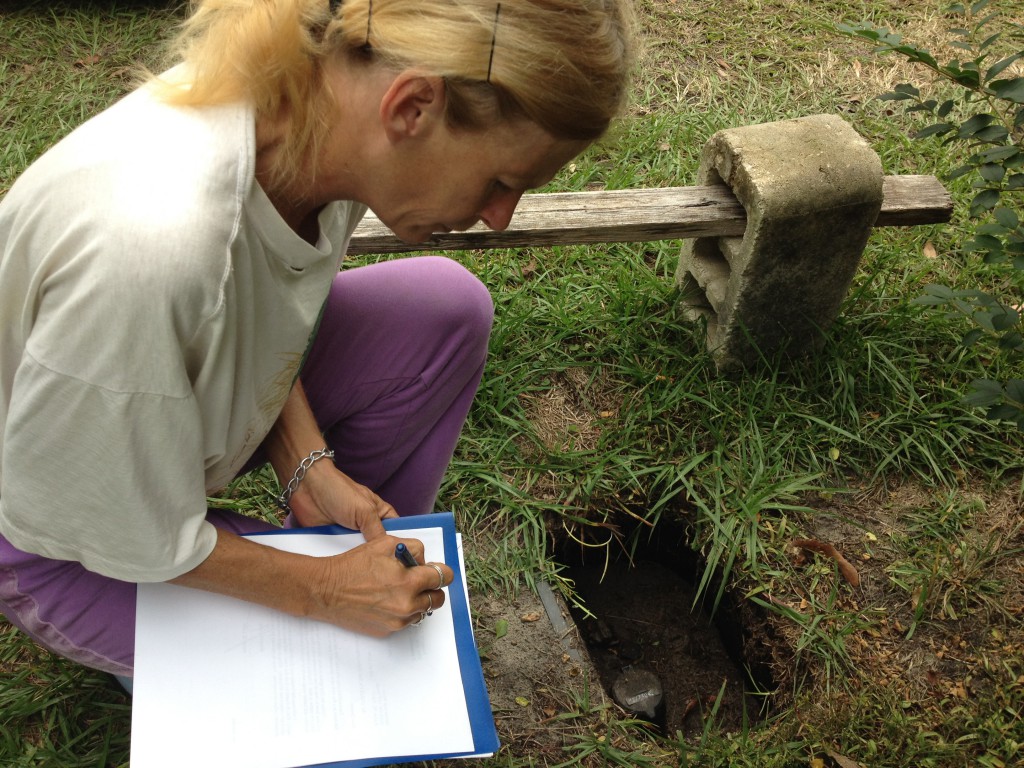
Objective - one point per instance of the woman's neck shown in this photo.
(290, 196)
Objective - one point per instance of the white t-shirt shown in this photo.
(154, 312)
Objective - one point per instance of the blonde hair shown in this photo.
(562, 64)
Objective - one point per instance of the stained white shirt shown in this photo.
(154, 312)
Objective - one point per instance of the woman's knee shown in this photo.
(460, 294)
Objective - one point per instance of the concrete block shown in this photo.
(812, 189)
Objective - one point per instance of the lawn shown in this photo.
(602, 418)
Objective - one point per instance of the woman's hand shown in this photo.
(327, 495)
(368, 590)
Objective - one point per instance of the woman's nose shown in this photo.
(497, 212)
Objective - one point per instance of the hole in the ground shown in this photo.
(660, 656)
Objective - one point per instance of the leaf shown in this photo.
(929, 301)
(1015, 390)
(1002, 155)
(994, 134)
(842, 761)
(1011, 90)
(928, 250)
(1006, 217)
(968, 78)
(1012, 341)
(942, 291)
(985, 200)
(987, 243)
(1001, 65)
(500, 628)
(982, 22)
(1004, 321)
(532, 616)
(1002, 412)
(935, 129)
(1016, 181)
(992, 172)
(88, 61)
(895, 96)
(522, 701)
(971, 337)
(846, 569)
(956, 173)
(988, 41)
(983, 393)
(976, 123)
(984, 319)
(993, 228)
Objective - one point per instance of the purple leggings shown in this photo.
(390, 377)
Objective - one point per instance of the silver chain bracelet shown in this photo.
(300, 472)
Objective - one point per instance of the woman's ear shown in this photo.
(412, 105)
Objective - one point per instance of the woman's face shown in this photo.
(459, 178)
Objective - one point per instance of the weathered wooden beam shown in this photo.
(643, 215)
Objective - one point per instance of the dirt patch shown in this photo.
(941, 596)
(536, 672)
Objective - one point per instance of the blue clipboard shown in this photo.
(478, 703)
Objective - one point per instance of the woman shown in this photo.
(172, 315)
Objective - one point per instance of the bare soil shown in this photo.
(644, 618)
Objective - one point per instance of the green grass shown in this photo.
(602, 415)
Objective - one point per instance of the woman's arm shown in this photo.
(366, 589)
(326, 494)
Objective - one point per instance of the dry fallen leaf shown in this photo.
(823, 548)
(531, 616)
(88, 61)
(929, 251)
(842, 761)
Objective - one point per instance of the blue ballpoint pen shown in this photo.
(402, 553)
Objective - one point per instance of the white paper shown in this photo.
(220, 682)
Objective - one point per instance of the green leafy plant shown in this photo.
(986, 115)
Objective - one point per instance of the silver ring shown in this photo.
(430, 604)
(420, 621)
(440, 575)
